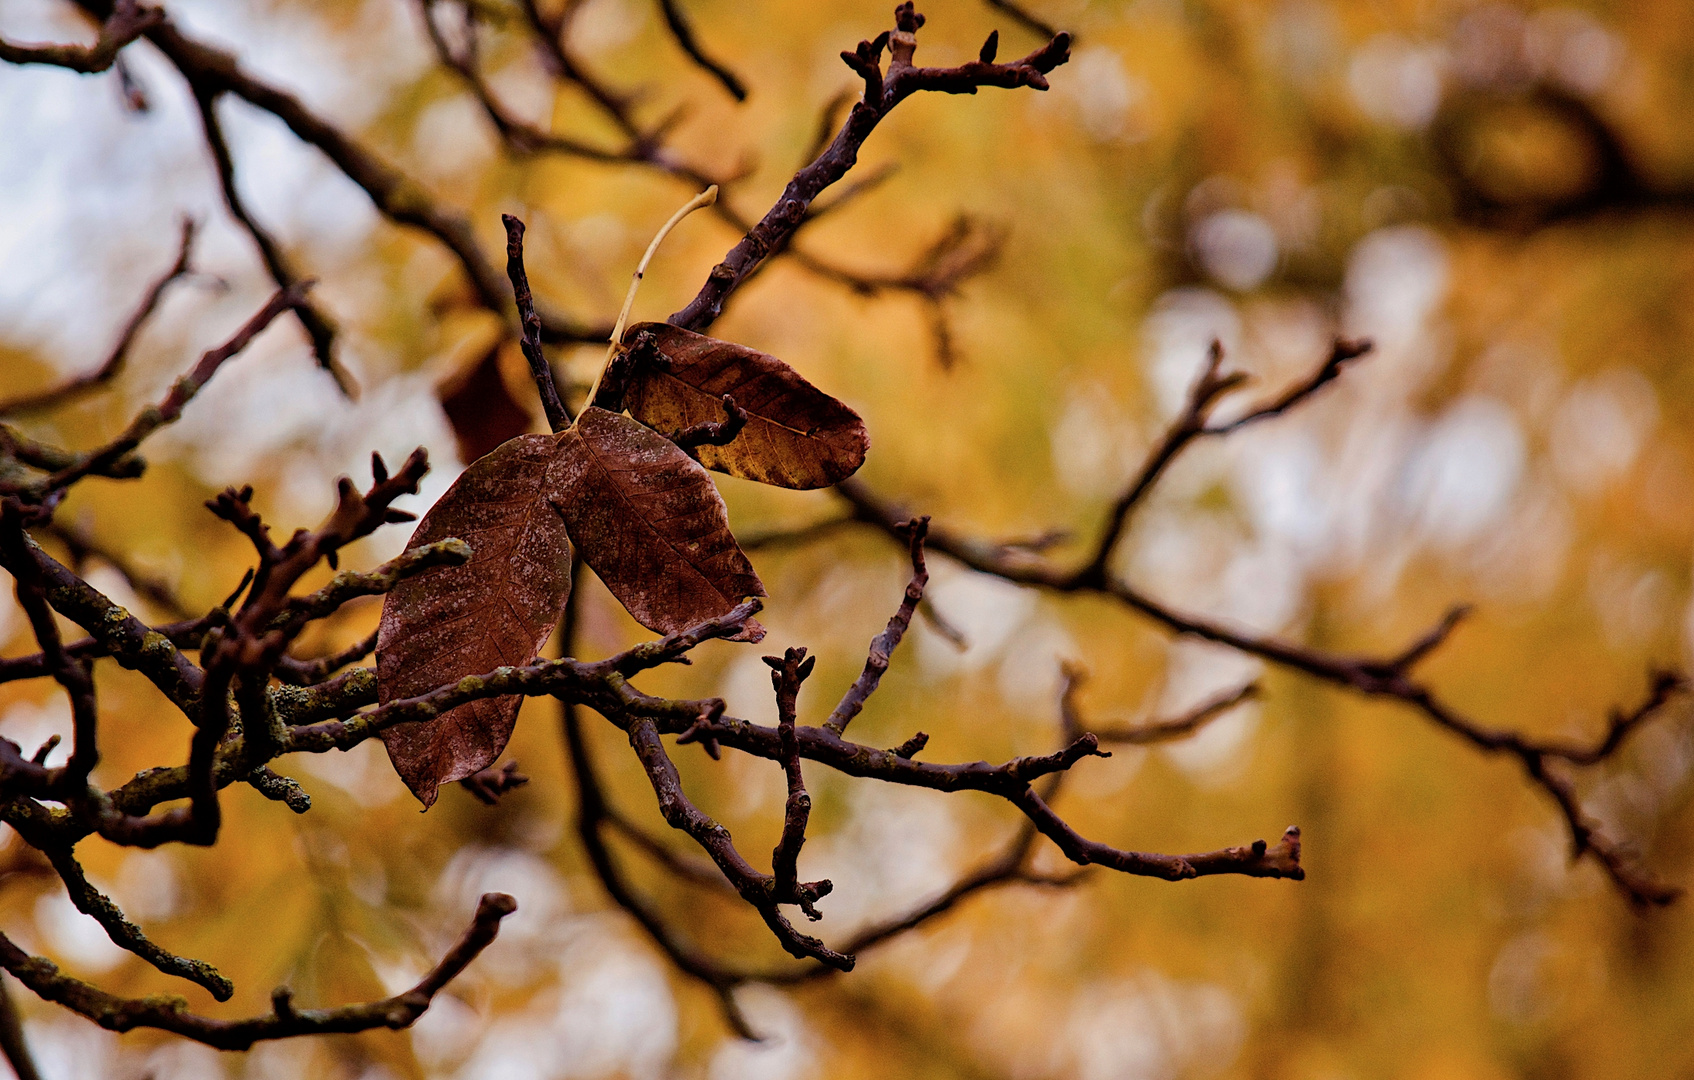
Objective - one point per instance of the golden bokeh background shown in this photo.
(1267, 174)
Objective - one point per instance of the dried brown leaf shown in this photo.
(796, 436)
(480, 406)
(498, 608)
(651, 523)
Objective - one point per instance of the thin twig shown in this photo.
(684, 34)
(539, 369)
(126, 935)
(788, 672)
(82, 546)
(126, 22)
(79, 385)
(318, 325)
(1154, 731)
(882, 94)
(299, 672)
(283, 1022)
(1034, 25)
(182, 392)
(13, 1044)
(1388, 678)
(882, 648)
(211, 71)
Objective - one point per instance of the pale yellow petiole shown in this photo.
(700, 201)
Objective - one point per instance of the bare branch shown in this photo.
(592, 814)
(211, 71)
(318, 325)
(95, 462)
(777, 227)
(251, 702)
(351, 584)
(126, 935)
(557, 418)
(284, 1022)
(77, 386)
(1434, 639)
(788, 672)
(882, 648)
(128, 20)
(1155, 731)
(1385, 678)
(519, 134)
(788, 744)
(308, 672)
(828, 120)
(1662, 687)
(792, 537)
(12, 1042)
(115, 632)
(282, 789)
(551, 34)
(1189, 425)
(1007, 868)
(684, 34)
(1340, 355)
(71, 674)
(689, 868)
(756, 888)
(965, 250)
(1025, 19)
(83, 546)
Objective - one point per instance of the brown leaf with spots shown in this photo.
(651, 523)
(498, 608)
(796, 436)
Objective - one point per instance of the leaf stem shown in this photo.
(704, 199)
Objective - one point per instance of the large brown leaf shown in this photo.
(796, 436)
(651, 523)
(496, 609)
